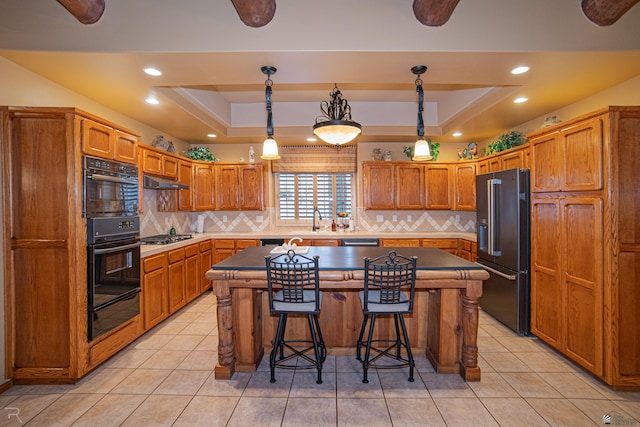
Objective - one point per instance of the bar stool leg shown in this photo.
(409, 353)
(367, 352)
(316, 347)
(277, 344)
(323, 349)
(359, 342)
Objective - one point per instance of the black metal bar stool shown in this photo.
(294, 288)
(389, 286)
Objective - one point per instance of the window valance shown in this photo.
(315, 158)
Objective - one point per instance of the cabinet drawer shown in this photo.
(401, 243)
(191, 250)
(245, 243)
(155, 262)
(176, 255)
(465, 245)
(224, 244)
(440, 243)
(205, 246)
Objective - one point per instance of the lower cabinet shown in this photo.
(155, 306)
(205, 263)
(447, 245)
(176, 280)
(192, 271)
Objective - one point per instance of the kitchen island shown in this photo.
(444, 322)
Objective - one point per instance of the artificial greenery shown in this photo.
(504, 142)
(434, 147)
(200, 153)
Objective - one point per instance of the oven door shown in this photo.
(106, 195)
(113, 284)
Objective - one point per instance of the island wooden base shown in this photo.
(444, 324)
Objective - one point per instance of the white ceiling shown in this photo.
(211, 63)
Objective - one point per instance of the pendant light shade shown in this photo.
(421, 151)
(269, 147)
(335, 126)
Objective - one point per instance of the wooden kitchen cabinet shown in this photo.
(586, 242)
(45, 258)
(239, 186)
(204, 184)
(464, 175)
(177, 285)
(223, 248)
(155, 162)
(393, 185)
(107, 142)
(400, 243)
(185, 176)
(154, 294)
(439, 186)
(447, 245)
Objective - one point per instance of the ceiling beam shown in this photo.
(85, 11)
(606, 12)
(433, 13)
(255, 13)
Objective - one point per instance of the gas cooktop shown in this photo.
(164, 239)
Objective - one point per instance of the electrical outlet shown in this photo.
(457, 218)
(409, 218)
(224, 218)
(380, 218)
(259, 219)
(394, 218)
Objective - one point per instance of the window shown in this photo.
(299, 193)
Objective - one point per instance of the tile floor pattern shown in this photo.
(165, 378)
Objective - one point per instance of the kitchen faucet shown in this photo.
(316, 227)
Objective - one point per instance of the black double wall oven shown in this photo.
(113, 244)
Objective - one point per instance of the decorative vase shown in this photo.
(550, 121)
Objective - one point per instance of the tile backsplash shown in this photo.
(153, 221)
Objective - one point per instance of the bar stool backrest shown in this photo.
(390, 280)
(293, 283)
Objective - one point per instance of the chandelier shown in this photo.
(335, 126)
(421, 151)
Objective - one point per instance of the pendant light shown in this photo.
(335, 126)
(421, 151)
(269, 147)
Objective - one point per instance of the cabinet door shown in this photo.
(378, 186)
(192, 272)
(97, 139)
(495, 164)
(439, 186)
(227, 187)
(185, 176)
(410, 186)
(203, 187)
(583, 157)
(483, 167)
(252, 187)
(170, 167)
(154, 291)
(176, 286)
(513, 160)
(465, 187)
(125, 147)
(582, 281)
(545, 163)
(206, 261)
(546, 271)
(151, 162)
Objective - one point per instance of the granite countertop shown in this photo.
(148, 250)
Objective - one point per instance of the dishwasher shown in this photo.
(355, 241)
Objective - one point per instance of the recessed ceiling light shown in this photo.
(457, 134)
(153, 71)
(311, 139)
(152, 100)
(520, 70)
(211, 135)
(520, 100)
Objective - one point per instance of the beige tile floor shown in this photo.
(166, 378)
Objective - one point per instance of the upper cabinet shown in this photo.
(518, 157)
(393, 185)
(439, 186)
(465, 186)
(568, 158)
(239, 186)
(203, 182)
(100, 140)
(155, 162)
(185, 176)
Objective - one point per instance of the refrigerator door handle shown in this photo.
(511, 277)
(493, 210)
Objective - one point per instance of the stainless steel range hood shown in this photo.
(162, 184)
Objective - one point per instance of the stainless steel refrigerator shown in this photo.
(503, 238)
